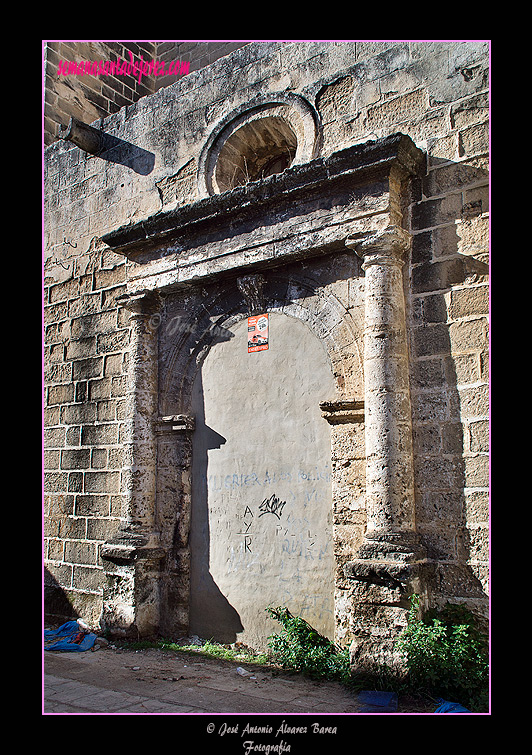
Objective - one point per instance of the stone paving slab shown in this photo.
(152, 681)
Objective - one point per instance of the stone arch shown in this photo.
(259, 148)
(210, 314)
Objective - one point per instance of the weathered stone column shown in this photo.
(131, 558)
(389, 470)
(139, 428)
(387, 564)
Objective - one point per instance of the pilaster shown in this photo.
(132, 557)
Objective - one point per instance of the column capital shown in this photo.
(175, 423)
(388, 246)
(343, 411)
(142, 303)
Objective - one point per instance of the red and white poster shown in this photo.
(258, 333)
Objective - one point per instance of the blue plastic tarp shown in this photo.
(68, 637)
(446, 707)
(377, 702)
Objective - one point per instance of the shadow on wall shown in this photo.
(211, 615)
(57, 607)
(116, 150)
(450, 417)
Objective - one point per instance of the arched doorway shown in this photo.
(261, 524)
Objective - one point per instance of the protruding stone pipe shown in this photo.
(83, 136)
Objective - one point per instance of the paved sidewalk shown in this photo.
(113, 681)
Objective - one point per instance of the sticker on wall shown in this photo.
(257, 333)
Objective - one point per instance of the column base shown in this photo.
(388, 556)
(131, 604)
(127, 547)
(388, 569)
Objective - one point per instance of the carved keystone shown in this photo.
(251, 288)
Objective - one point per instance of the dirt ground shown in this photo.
(162, 681)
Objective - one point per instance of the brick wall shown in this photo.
(438, 95)
(90, 97)
(199, 54)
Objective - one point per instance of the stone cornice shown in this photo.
(356, 165)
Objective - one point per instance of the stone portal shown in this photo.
(273, 499)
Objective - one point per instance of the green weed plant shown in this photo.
(299, 647)
(446, 655)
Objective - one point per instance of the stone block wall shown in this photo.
(86, 340)
(449, 344)
(436, 93)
